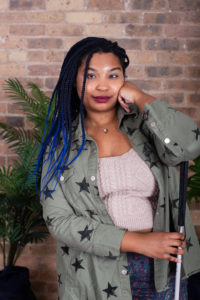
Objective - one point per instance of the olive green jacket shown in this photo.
(89, 263)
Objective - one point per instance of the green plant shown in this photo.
(21, 219)
(194, 181)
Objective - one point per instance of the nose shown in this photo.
(102, 85)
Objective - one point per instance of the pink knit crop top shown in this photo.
(126, 183)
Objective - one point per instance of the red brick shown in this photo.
(153, 71)
(39, 286)
(190, 85)
(46, 43)
(27, 4)
(185, 5)
(183, 31)
(174, 98)
(195, 214)
(15, 121)
(63, 5)
(193, 205)
(17, 55)
(41, 249)
(46, 17)
(36, 56)
(2, 162)
(50, 241)
(3, 30)
(147, 84)
(194, 99)
(27, 29)
(12, 69)
(3, 108)
(121, 17)
(4, 4)
(193, 45)
(34, 274)
(55, 56)
(52, 287)
(25, 80)
(47, 296)
(12, 42)
(193, 72)
(135, 71)
(143, 30)
(178, 58)
(147, 4)
(84, 17)
(106, 4)
(142, 57)
(14, 108)
(3, 148)
(48, 275)
(162, 44)
(3, 57)
(64, 30)
(106, 30)
(13, 17)
(197, 229)
(50, 83)
(131, 44)
(44, 70)
(162, 18)
(191, 17)
(47, 263)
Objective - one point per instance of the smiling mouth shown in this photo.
(101, 99)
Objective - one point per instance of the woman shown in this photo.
(109, 183)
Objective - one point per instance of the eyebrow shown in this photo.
(113, 69)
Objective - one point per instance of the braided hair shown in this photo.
(67, 105)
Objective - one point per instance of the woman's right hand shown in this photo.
(154, 244)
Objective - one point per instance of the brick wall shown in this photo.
(161, 38)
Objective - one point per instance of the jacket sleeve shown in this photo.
(81, 232)
(175, 135)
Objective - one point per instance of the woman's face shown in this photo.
(104, 80)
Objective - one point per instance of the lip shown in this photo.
(102, 99)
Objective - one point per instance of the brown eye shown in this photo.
(114, 76)
(90, 76)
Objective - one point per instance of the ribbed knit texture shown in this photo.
(125, 183)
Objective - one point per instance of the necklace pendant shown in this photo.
(105, 130)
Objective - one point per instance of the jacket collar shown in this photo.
(121, 114)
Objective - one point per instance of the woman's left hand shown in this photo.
(129, 93)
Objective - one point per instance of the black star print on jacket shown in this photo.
(48, 193)
(77, 264)
(174, 203)
(83, 185)
(49, 221)
(110, 290)
(59, 279)
(65, 250)
(85, 233)
(188, 244)
(197, 132)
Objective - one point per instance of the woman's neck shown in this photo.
(99, 120)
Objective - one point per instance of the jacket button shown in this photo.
(62, 178)
(167, 140)
(92, 178)
(124, 272)
(153, 124)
